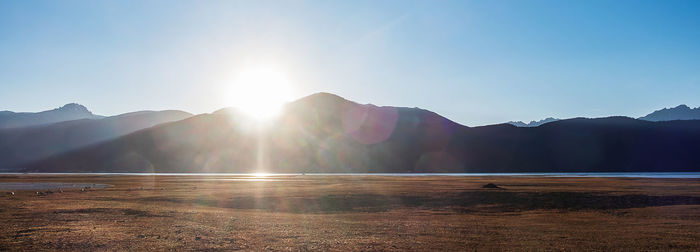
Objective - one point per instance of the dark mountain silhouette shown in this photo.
(326, 133)
(68, 112)
(681, 112)
(533, 123)
(319, 133)
(613, 144)
(21, 145)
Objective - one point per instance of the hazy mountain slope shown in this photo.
(22, 145)
(325, 133)
(68, 112)
(319, 133)
(533, 123)
(681, 112)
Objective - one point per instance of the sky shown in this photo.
(475, 62)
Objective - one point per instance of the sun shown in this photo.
(261, 91)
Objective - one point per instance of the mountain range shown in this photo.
(71, 111)
(533, 123)
(326, 133)
(26, 144)
(681, 112)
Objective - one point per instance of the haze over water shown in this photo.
(247, 176)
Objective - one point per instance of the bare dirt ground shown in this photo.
(351, 213)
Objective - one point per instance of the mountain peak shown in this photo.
(680, 112)
(68, 112)
(75, 107)
(683, 107)
(319, 101)
(321, 97)
(533, 123)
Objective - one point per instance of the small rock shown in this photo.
(197, 238)
(490, 185)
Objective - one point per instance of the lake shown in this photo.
(536, 174)
(45, 185)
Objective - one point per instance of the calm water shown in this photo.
(45, 185)
(563, 174)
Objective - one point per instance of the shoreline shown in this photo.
(681, 175)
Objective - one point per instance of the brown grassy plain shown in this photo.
(352, 213)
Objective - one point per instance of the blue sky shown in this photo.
(476, 62)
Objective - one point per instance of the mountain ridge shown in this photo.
(67, 112)
(680, 112)
(326, 133)
(533, 123)
(27, 144)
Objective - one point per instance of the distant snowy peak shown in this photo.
(533, 123)
(680, 112)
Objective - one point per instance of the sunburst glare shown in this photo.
(260, 174)
(260, 91)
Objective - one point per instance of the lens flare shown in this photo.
(260, 92)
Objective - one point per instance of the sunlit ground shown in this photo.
(351, 213)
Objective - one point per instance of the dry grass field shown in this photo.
(351, 213)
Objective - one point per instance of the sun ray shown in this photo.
(260, 91)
